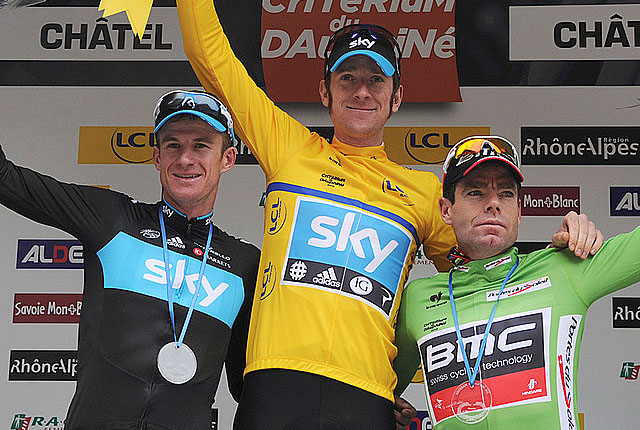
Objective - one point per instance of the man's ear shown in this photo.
(156, 157)
(228, 159)
(397, 99)
(324, 93)
(445, 210)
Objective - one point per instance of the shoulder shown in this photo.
(238, 243)
(425, 287)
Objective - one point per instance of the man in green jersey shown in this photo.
(519, 317)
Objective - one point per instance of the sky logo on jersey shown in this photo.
(624, 201)
(351, 251)
(133, 265)
(516, 354)
(49, 254)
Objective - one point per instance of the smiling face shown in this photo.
(190, 158)
(486, 214)
(360, 100)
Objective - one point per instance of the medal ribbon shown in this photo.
(472, 375)
(196, 293)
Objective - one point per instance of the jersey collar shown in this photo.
(180, 222)
(374, 152)
(490, 269)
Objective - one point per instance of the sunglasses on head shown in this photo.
(475, 145)
(198, 103)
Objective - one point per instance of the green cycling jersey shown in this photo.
(527, 375)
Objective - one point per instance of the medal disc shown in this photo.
(177, 365)
(471, 404)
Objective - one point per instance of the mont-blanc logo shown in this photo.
(150, 233)
(298, 270)
(361, 285)
(176, 242)
(327, 277)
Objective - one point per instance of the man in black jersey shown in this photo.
(152, 341)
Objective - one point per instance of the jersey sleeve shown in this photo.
(236, 359)
(440, 237)
(407, 360)
(75, 209)
(615, 266)
(271, 134)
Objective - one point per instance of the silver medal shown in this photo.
(177, 365)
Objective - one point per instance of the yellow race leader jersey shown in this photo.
(341, 228)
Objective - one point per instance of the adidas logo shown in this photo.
(327, 277)
(176, 242)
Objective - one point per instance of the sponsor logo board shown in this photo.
(74, 33)
(580, 145)
(425, 145)
(51, 308)
(626, 312)
(49, 254)
(624, 201)
(42, 365)
(577, 32)
(630, 371)
(130, 145)
(22, 421)
(295, 35)
(550, 201)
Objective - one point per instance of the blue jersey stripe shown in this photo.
(298, 189)
(130, 264)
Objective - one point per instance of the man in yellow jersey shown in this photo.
(342, 227)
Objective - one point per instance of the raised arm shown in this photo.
(41, 198)
(270, 133)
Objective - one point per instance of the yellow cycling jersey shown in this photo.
(341, 228)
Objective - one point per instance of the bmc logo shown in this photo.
(49, 254)
(624, 201)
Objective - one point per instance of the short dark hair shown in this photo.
(226, 140)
